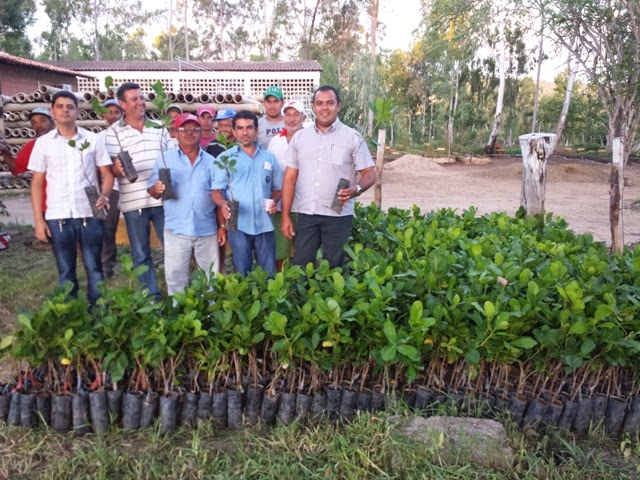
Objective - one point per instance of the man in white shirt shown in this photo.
(68, 170)
(140, 210)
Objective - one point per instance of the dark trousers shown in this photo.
(109, 253)
(315, 231)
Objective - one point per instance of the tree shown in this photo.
(604, 37)
(15, 17)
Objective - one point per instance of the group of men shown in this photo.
(285, 178)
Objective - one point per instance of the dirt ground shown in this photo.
(577, 190)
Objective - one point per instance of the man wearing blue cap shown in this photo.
(224, 118)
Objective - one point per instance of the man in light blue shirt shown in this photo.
(190, 224)
(257, 178)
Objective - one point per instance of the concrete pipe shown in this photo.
(14, 150)
(37, 96)
(82, 114)
(24, 132)
(151, 96)
(47, 97)
(6, 99)
(87, 96)
(218, 98)
(102, 96)
(15, 133)
(180, 97)
(30, 98)
(237, 98)
(5, 167)
(24, 116)
(228, 98)
(204, 98)
(91, 115)
(189, 98)
(172, 96)
(17, 140)
(32, 133)
(48, 89)
(7, 131)
(20, 98)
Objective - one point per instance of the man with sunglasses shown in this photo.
(190, 225)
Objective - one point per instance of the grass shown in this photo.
(369, 447)
(366, 448)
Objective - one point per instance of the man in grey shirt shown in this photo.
(317, 158)
(272, 123)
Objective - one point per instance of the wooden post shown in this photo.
(616, 188)
(536, 148)
(377, 192)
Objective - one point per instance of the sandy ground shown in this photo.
(576, 190)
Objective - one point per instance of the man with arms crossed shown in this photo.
(144, 144)
(190, 219)
(317, 158)
(68, 170)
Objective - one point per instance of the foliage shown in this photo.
(15, 17)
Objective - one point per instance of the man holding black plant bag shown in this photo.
(67, 158)
(131, 140)
(323, 163)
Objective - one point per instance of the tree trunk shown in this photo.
(540, 57)
(536, 148)
(377, 193)
(495, 131)
(186, 31)
(616, 189)
(565, 105)
(373, 45)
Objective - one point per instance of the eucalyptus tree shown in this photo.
(604, 37)
(15, 17)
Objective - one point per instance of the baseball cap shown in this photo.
(206, 108)
(40, 111)
(273, 91)
(174, 108)
(111, 102)
(225, 113)
(293, 104)
(183, 118)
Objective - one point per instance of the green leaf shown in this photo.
(6, 341)
(108, 81)
(390, 332)
(276, 323)
(603, 311)
(525, 343)
(416, 311)
(253, 310)
(489, 309)
(587, 346)
(409, 352)
(578, 328)
(473, 356)
(388, 353)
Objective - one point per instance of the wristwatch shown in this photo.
(358, 190)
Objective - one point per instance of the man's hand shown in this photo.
(347, 194)
(226, 211)
(286, 227)
(222, 236)
(103, 202)
(157, 190)
(117, 169)
(42, 231)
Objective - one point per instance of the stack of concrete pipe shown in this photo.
(17, 130)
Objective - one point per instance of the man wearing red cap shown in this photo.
(206, 115)
(190, 225)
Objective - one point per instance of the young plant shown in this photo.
(92, 190)
(162, 102)
(227, 162)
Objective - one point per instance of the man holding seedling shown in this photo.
(190, 219)
(67, 158)
(273, 122)
(143, 145)
(255, 181)
(112, 114)
(323, 163)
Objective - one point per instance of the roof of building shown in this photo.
(8, 59)
(181, 65)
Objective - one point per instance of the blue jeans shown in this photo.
(66, 235)
(139, 231)
(243, 246)
(315, 231)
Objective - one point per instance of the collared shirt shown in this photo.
(279, 146)
(267, 130)
(144, 148)
(68, 171)
(322, 159)
(193, 212)
(255, 178)
(102, 137)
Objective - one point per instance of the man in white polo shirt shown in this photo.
(144, 145)
(68, 170)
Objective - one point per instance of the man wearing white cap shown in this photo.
(294, 117)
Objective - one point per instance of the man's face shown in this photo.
(189, 135)
(64, 111)
(207, 121)
(293, 120)
(245, 132)
(112, 115)
(226, 127)
(41, 124)
(273, 107)
(133, 104)
(326, 108)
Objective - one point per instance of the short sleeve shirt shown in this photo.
(267, 130)
(192, 213)
(254, 180)
(322, 159)
(22, 163)
(68, 171)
